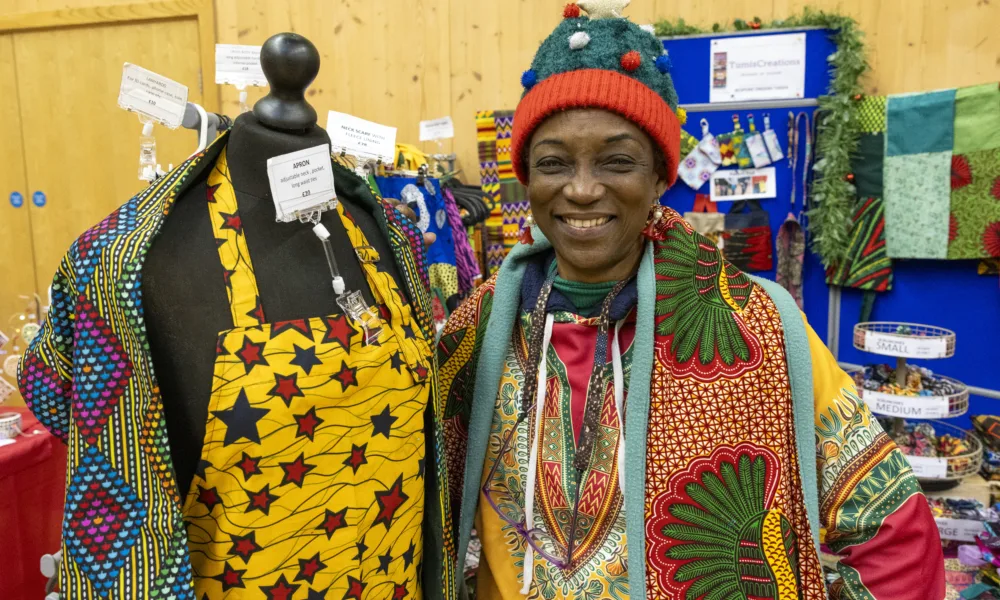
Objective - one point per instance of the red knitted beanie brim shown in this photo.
(596, 88)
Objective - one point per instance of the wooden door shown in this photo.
(80, 150)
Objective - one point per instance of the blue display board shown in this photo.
(946, 294)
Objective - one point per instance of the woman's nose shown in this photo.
(583, 188)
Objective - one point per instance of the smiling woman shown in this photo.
(645, 414)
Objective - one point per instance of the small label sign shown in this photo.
(928, 467)
(361, 138)
(887, 344)
(238, 65)
(301, 181)
(908, 407)
(437, 129)
(963, 530)
(147, 93)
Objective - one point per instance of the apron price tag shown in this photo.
(437, 129)
(301, 182)
(361, 138)
(147, 93)
(238, 65)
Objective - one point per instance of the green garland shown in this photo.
(838, 131)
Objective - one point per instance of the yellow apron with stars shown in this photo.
(311, 479)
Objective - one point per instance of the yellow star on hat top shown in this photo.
(604, 9)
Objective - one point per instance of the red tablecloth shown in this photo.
(32, 491)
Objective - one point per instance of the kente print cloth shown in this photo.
(88, 377)
(489, 177)
(724, 508)
(311, 476)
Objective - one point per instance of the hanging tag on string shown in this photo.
(239, 65)
(302, 184)
(771, 140)
(154, 96)
(147, 151)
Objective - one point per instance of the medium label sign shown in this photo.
(908, 407)
(887, 344)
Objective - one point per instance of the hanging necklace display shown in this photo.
(791, 241)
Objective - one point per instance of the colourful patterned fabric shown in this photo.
(267, 514)
(917, 203)
(88, 377)
(977, 120)
(921, 123)
(871, 114)
(974, 225)
(489, 177)
(725, 513)
(469, 274)
(867, 266)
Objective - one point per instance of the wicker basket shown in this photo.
(962, 465)
(956, 404)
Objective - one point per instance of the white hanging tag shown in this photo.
(361, 138)
(147, 151)
(771, 140)
(160, 99)
(437, 129)
(301, 183)
(238, 65)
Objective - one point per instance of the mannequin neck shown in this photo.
(251, 144)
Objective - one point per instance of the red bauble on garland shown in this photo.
(571, 11)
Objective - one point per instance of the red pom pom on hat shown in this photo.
(571, 11)
(631, 61)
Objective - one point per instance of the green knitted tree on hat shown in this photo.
(613, 44)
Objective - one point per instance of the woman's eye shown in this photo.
(549, 164)
(620, 162)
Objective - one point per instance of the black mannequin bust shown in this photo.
(185, 299)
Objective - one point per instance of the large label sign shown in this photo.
(758, 67)
(962, 530)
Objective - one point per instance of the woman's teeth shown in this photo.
(586, 223)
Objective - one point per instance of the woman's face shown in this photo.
(593, 177)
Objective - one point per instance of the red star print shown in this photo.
(308, 423)
(287, 387)
(245, 546)
(258, 311)
(383, 309)
(347, 376)
(232, 221)
(333, 522)
(227, 277)
(295, 471)
(249, 465)
(354, 588)
(357, 457)
(309, 568)
(281, 590)
(299, 325)
(261, 500)
(211, 192)
(251, 354)
(231, 578)
(209, 497)
(399, 592)
(339, 330)
(389, 501)
(420, 371)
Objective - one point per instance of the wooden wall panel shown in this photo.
(400, 61)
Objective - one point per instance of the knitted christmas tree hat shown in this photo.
(600, 61)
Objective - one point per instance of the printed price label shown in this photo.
(147, 93)
(437, 129)
(237, 64)
(929, 467)
(360, 137)
(301, 181)
(963, 530)
(887, 344)
(908, 407)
